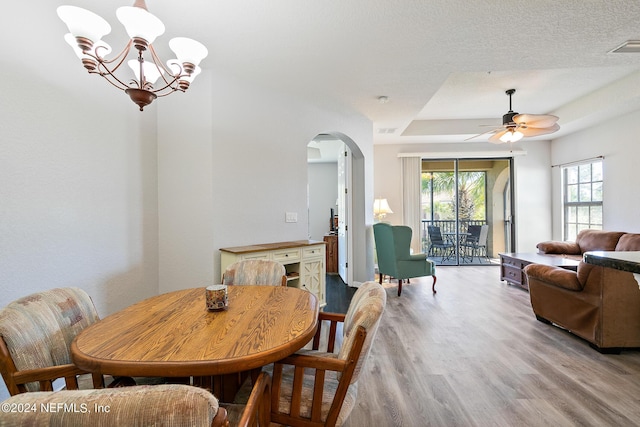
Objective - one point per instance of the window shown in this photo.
(582, 198)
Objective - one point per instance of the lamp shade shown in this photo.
(84, 23)
(381, 206)
(140, 23)
(188, 50)
(151, 71)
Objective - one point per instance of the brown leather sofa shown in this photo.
(599, 304)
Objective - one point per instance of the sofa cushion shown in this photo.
(554, 247)
(598, 240)
(629, 242)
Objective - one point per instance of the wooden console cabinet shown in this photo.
(512, 264)
(304, 261)
(332, 252)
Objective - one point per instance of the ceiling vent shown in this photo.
(387, 130)
(630, 46)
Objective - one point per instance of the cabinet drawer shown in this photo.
(312, 251)
(516, 263)
(255, 255)
(512, 274)
(287, 255)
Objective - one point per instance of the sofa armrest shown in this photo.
(555, 276)
(556, 247)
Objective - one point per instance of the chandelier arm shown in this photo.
(108, 73)
(120, 57)
(160, 65)
(110, 77)
(170, 84)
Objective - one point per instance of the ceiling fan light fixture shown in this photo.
(511, 135)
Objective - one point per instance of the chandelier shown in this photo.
(150, 78)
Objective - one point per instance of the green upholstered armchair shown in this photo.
(394, 257)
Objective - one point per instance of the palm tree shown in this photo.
(471, 193)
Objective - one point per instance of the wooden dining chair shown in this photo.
(35, 334)
(256, 412)
(319, 388)
(255, 272)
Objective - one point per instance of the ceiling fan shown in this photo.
(516, 126)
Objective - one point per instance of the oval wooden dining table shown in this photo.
(174, 335)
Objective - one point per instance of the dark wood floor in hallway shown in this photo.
(474, 355)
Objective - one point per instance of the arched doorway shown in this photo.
(347, 162)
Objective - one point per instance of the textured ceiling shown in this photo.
(444, 64)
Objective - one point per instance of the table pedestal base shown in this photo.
(225, 387)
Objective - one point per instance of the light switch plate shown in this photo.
(291, 217)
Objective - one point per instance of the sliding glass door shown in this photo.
(465, 217)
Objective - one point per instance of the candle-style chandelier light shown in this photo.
(151, 78)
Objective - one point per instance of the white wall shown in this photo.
(323, 192)
(532, 183)
(532, 176)
(255, 146)
(78, 192)
(186, 204)
(616, 140)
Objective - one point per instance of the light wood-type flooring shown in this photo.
(474, 355)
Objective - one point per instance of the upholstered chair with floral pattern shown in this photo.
(36, 332)
(174, 405)
(255, 272)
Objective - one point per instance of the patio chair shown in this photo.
(476, 243)
(438, 244)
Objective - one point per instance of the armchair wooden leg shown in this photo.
(399, 286)
(433, 287)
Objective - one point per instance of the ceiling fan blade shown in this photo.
(535, 120)
(495, 139)
(533, 131)
(483, 133)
